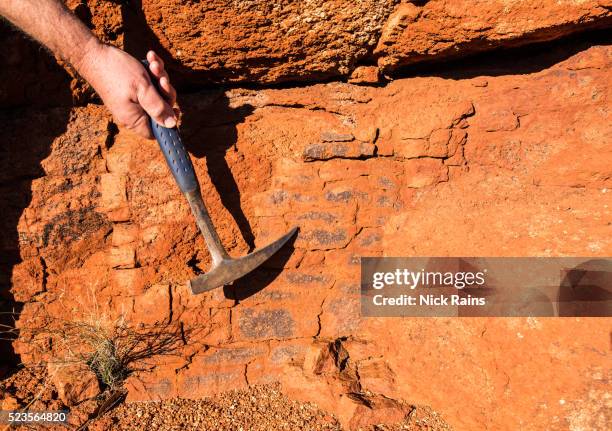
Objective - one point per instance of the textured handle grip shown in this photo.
(174, 151)
(176, 156)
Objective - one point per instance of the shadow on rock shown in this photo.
(208, 129)
(586, 290)
(521, 60)
(258, 279)
(26, 141)
(139, 38)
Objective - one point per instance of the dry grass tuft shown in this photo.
(111, 348)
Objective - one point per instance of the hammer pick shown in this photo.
(225, 269)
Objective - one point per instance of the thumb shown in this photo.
(156, 106)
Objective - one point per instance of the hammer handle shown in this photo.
(173, 150)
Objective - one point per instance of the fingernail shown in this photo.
(170, 122)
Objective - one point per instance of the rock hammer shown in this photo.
(225, 269)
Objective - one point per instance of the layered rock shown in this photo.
(491, 165)
(266, 42)
(441, 29)
(262, 42)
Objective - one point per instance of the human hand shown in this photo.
(126, 89)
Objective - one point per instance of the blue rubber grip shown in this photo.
(176, 156)
(174, 151)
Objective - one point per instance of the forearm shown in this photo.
(49, 22)
(120, 80)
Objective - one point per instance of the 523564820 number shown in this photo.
(17, 417)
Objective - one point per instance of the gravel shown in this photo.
(259, 408)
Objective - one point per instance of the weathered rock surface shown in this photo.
(491, 165)
(441, 29)
(9, 402)
(263, 41)
(75, 383)
(267, 42)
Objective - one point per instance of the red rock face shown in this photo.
(443, 29)
(493, 163)
(295, 40)
(263, 42)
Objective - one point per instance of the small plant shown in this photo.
(111, 348)
(110, 345)
(107, 365)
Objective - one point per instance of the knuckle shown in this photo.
(158, 109)
(141, 83)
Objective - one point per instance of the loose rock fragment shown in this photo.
(74, 382)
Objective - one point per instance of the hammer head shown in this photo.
(228, 270)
